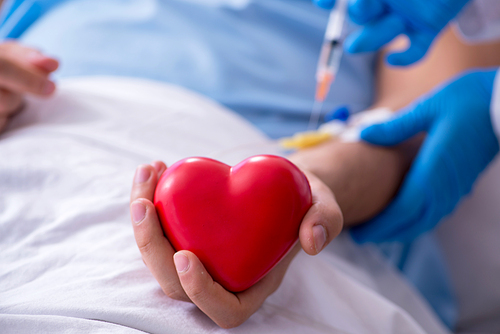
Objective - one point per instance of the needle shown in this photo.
(329, 60)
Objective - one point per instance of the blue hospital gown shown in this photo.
(257, 57)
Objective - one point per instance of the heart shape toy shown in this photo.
(240, 221)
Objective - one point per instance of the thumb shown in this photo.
(210, 297)
(323, 222)
(198, 285)
(404, 126)
(375, 35)
(419, 44)
(197, 282)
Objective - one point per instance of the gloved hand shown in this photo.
(383, 20)
(460, 143)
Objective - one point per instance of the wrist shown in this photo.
(362, 177)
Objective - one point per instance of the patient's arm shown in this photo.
(364, 178)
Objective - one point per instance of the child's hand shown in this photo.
(22, 70)
(182, 276)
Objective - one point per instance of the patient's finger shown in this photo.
(323, 222)
(222, 306)
(28, 56)
(145, 180)
(160, 167)
(10, 102)
(24, 79)
(46, 64)
(227, 309)
(155, 249)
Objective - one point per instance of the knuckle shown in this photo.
(145, 247)
(175, 293)
(196, 292)
(338, 217)
(334, 224)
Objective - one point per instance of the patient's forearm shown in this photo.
(363, 178)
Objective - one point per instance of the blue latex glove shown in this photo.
(460, 143)
(383, 20)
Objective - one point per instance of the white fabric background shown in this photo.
(68, 260)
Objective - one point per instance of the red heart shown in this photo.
(240, 221)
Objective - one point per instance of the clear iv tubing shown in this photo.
(329, 59)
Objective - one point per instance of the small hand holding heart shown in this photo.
(182, 275)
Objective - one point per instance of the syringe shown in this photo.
(329, 59)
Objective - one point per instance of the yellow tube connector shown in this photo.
(304, 140)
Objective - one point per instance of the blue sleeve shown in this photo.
(18, 15)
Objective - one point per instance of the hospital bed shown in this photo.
(68, 259)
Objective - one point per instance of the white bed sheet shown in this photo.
(68, 260)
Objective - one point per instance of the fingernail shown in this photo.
(181, 262)
(142, 174)
(48, 87)
(138, 212)
(319, 234)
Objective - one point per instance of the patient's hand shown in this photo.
(22, 70)
(182, 276)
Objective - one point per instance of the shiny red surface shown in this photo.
(240, 221)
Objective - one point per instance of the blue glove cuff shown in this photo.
(487, 81)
